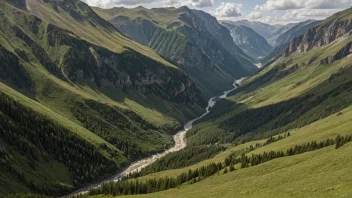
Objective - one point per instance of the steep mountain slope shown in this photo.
(281, 29)
(249, 41)
(284, 40)
(296, 31)
(328, 31)
(79, 100)
(269, 32)
(266, 30)
(192, 39)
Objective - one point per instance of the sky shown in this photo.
(266, 11)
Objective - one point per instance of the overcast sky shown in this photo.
(267, 11)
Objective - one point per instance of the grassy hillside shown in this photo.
(80, 101)
(191, 39)
(299, 176)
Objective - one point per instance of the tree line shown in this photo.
(132, 187)
(180, 159)
(128, 187)
(257, 159)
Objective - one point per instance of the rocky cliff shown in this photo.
(330, 30)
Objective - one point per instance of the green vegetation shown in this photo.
(180, 159)
(80, 100)
(125, 187)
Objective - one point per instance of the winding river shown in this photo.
(180, 143)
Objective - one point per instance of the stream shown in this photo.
(180, 143)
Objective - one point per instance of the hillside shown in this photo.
(191, 39)
(79, 100)
(249, 41)
(287, 130)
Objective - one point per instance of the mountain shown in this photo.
(281, 29)
(269, 32)
(191, 39)
(79, 101)
(337, 26)
(266, 30)
(283, 41)
(296, 31)
(248, 40)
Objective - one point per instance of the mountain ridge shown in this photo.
(184, 36)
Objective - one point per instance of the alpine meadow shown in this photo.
(171, 98)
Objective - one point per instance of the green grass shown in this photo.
(322, 173)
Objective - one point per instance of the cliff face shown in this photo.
(126, 70)
(331, 29)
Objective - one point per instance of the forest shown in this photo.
(39, 138)
(180, 159)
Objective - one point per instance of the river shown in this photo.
(180, 143)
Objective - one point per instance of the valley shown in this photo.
(180, 143)
(108, 101)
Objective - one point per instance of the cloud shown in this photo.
(164, 3)
(114, 3)
(203, 3)
(271, 5)
(228, 10)
(305, 14)
(195, 3)
(254, 15)
(296, 16)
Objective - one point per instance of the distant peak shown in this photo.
(141, 7)
(185, 8)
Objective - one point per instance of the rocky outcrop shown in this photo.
(345, 51)
(126, 70)
(324, 34)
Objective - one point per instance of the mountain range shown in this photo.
(86, 91)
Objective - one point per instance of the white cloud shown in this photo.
(203, 3)
(165, 3)
(113, 3)
(271, 5)
(228, 10)
(195, 3)
(305, 14)
(254, 15)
